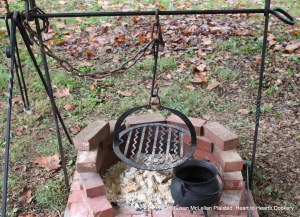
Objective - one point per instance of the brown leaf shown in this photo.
(240, 4)
(198, 79)
(68, 107)
(62, 92)
(169, 76)
(190, 87)
(258, 60)
(120, 39)
(213, 86)
(49, 163)
(25, 193)
(39, 137)
(90, 54)
(268, 105)
(74, 129)
(15, 99)
(215, 30)
(207, 41)
(292, 47)
(238, 32)
(187, 32)
(125, 93)
(141, 38)
(201, 67)
(135, 19)
(29, 215)
(244, 111)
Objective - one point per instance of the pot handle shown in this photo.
(184, 189)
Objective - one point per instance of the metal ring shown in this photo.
(290, 20)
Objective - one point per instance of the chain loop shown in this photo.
(69, 67)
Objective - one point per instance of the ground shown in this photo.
(200, 50)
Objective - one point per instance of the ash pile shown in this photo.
(142, 189)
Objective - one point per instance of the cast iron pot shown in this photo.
(195, 183)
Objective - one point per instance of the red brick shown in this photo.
(230, 160)
(181, 211)
(90, 161)
(74, 197)
(204, 155)
(230, 199)
(92, 184)
(76, 185)
(98, 206)
(145, 213)
(244, 203)
(142, 119)
(110, 159)
(165, 212)
(220, 136)
(210, 213)
(76, 175)
(233, 180)
(197, 123)
(78, 210)
(204, 144)
(127, 212)
(108, 141)
(91, 136)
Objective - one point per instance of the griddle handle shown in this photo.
(288, 19)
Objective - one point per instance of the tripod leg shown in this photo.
(54, 108)
(10, 54)
(21, 83)
(49, 91)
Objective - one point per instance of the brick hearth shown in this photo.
(95, 154)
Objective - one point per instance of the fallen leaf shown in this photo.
(278, 82)
(120, 39)
(68, 107)
(201, 67)
(15, 99)
(154, 101)
(198, 79)
(74, 129)
(213, 86)
(39, 137)
(268, 105)
(125, 93)
(169, 76)
(25, 193)
(49, 163)
(62, 92)
(135, 19)
(258, 60)
(90, 54)
(292, 47)
(141, 38)
(190, 87)
(207, 41)
(240, 4)
(215, 30)
(29, 215)
(238, 32)
(244, 111)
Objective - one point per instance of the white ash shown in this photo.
(141, 189)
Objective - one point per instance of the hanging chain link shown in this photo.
(69, 67)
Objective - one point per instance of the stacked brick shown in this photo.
(215, 143)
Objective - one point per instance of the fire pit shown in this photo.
(215, 144)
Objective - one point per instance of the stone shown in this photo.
(91, 136)
(223, 138)
(90, 161)
(92, 184)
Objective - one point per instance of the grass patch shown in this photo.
(51, 194)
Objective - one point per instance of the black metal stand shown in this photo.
(31, 14)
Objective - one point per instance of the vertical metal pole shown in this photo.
(53, 106)
(261, 77)
(10, 54)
